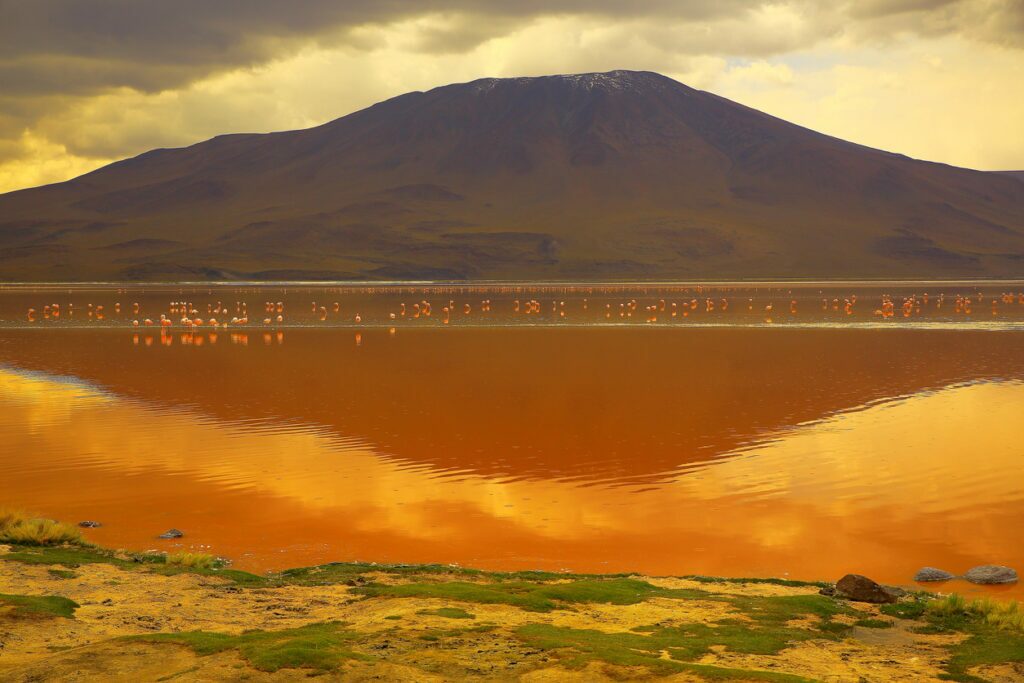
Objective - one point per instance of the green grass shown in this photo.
(577, 647)
(790, 583)
(912, 609)
(765, 633)
(534, 597)
(71, 557)
(995, 630)
(39, 605)
(76, 556)
(321, 647)
(986, 646)
(236, 576)
(448, 613)
(778, 609)
(341, 572)
(62, 573)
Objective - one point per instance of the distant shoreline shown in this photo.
(526, 284)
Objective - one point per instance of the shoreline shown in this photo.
(113, 615)
(525, 285)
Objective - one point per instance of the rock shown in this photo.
(932, 574)
(862, 589)
(171, 533)
(89, 524)
(991, 573)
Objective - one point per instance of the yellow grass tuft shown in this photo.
(22, 528)
(10, 517)
(192, 560)
(1005, 615)
(951, 605)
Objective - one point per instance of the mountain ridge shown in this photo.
(620, 175)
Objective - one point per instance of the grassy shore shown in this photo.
(67, 607)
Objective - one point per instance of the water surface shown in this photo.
(729, 441)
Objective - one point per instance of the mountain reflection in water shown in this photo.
(734, 451)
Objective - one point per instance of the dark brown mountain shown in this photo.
(620, 175)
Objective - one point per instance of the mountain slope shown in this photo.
(616, 175)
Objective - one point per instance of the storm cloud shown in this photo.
(77, 46)
(62, 62)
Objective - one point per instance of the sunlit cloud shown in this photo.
(935, 79)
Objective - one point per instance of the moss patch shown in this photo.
(987, 646)
(778, 609)
(578, 647)
(61, 573)
(39, 605)
(321, 647)
(534, 597)
(66, 556)
(765, 633)
(77, 556)
(912, 609)
(343, 572)
(791, 583)
(236, 576)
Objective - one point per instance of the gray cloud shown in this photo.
(995, 21)
(886, 8)
(88, 45)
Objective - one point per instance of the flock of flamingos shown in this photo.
(217, 315)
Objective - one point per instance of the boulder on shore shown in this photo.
(862, 589)
(932, 574)
(991, 573)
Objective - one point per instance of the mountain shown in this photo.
(619, 175)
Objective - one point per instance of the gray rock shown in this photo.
(895, 591)
(89, 524)
(991, 573)
(932, 574)
(862, 589)
(171, 533)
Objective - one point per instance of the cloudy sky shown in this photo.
(86, 82)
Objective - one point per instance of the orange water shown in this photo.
(737, 448)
